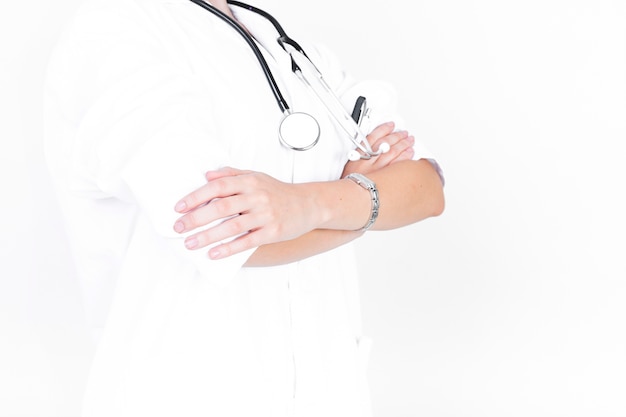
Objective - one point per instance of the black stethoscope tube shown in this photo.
(280, 100)
(297, 130)
(283, 38)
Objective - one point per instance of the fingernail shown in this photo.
(179, 227)
(215, 254)
(191, 243)
(181, 206)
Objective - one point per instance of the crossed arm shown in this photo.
(290, 222)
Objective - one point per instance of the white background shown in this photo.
(512, 303)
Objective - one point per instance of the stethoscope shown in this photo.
(300, 131)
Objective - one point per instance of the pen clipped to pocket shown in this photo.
(360, 113)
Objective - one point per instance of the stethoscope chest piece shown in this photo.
(299, 131)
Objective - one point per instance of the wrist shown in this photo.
(316, 203)
(340, 205)
(368, 185)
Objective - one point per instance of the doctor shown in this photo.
(218, 274)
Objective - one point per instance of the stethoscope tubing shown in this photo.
(282, 103)
(356, 137)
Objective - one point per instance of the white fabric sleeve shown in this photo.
(145, 134)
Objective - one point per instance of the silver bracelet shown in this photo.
(370, 186)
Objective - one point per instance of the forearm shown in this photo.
(409, 191)
(266, 211)
(305, 246)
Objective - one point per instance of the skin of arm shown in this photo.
(426, 196)
(310, 244)
(274, 249)
(322, 240)
(289, 222)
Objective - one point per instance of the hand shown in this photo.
(258, 210)
(401, 149)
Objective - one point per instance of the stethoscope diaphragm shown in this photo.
(299, 131)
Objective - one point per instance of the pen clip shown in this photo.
(360, 110)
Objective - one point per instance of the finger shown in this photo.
(230, 228)
(248, 241)
(397, 152)
(407, 155)
(220, 187)
(375, 136)
(396, 145)
(380, 131)
(217, 209)
(391, 139)
(224, 172)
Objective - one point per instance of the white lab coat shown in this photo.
(142, 98)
